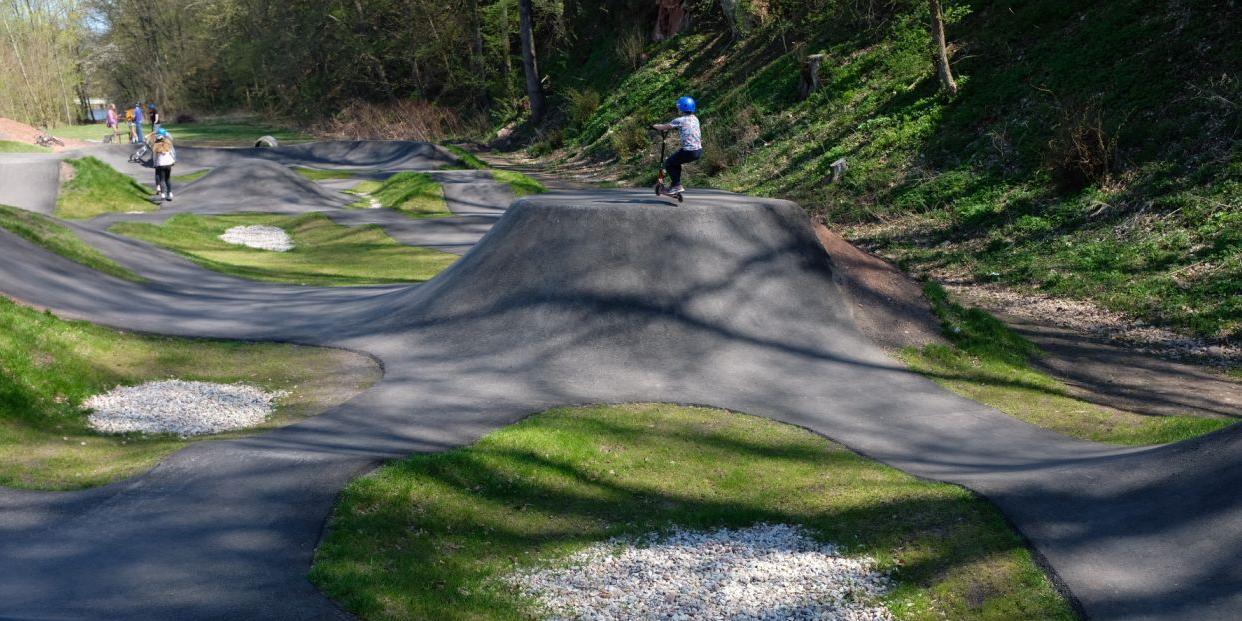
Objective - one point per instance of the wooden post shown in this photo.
(810, 75)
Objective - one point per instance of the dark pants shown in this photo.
(675, 161)
(163, 178)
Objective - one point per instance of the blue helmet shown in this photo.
(686, 104)
(161, 132)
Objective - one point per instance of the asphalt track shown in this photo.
(574, 297)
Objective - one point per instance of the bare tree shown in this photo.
(941, 53)
(530, 65)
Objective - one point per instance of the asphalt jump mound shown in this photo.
(259, 185)
(638, 280)
(382, 154)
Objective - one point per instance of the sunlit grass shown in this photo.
(57, 238)
(50, 366)
(96, 189)
(990, 363)
(417, 195)
(324, 253)
(427, 538)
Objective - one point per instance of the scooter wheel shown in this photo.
(680, 198)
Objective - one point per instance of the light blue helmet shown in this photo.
(161, 132)
(686, 104)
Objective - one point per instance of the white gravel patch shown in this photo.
(179, 407)
(767, 572)
(259, 236)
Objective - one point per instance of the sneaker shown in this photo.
(168, 196)
(676, 189)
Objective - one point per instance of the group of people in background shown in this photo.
(158, 140)
(134, 118)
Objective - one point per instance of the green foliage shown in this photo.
(629, 138)
(49, 366)
(57, 238)
(324, 253)
(97, 188)
(428, 538)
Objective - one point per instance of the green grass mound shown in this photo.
(57, 238)
(97, 188)
(429, 537)
(10, 146)
(990, 363)
(321, 174)
(465, 159)
(417, 195)
(521, 184)
(49, 366)
(324, 253)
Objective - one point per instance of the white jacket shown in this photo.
(166, 159)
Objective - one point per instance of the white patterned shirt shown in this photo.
(688, 127)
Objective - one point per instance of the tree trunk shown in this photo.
(530, 65)
(941, 54)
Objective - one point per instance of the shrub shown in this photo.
(406, 119)
(580, 105)
(1083, 152)
(632, 48)
(629, 138)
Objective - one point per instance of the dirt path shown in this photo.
(1100, 358)
(21, 132)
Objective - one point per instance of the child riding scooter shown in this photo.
(687, 126)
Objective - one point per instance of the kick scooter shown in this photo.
(660, 188)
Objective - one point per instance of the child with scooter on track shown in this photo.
(163, 158)
(687, 126)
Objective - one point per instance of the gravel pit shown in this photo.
(260, 236)
(180, 407)
(767, 572)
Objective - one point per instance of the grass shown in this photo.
(521, 184)
(10, 146)
(989, 363)
(324, 253)
(58, 238)
(49, 366)
(96, 189)
(972, 185)
(426, 538)
(190, 177)
(222, 132)
(467, 159)
(320, 174)
(417, 195)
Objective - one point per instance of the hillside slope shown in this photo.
(1093, 150)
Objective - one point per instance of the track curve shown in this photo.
(574, 297)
